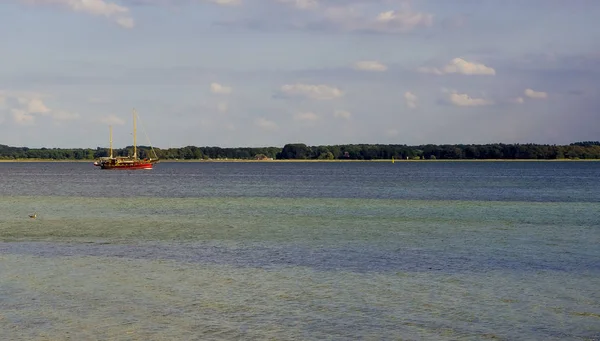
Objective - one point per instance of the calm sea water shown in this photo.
(301, 251)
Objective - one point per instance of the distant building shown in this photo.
(262, 157)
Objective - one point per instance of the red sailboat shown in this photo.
(126, 162)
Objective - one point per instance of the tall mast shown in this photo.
(134, 133)
(110, 140)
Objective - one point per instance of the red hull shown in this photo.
(136, 166)
(126, 164)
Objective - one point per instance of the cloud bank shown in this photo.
(110, 10)
(460, 66)
(310, 91)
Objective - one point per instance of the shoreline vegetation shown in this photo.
(579, 151)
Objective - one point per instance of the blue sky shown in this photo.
(269, 72)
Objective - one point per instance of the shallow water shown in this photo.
(301, 251)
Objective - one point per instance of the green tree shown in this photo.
(294, 151)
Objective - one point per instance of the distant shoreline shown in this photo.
(299, 152)
(312, 161)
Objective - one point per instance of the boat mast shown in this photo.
(134, 132)
(110, 140)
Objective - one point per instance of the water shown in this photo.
(301, 251)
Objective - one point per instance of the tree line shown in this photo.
(299, 151)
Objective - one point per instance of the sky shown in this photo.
(252, 73)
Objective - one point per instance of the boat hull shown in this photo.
(127, 166)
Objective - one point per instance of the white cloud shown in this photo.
(22, 117)
(265, 124)
(112, 120)
(302, 4)
(342, 114)
(411, 99)
(219, 89)
(460, 66)
(227, 2)
(306, 116)
(25, 106)
(117, 13)
(354, 19)
(370, 65)
(464, 100)
(321, 92)
(358, 16)
(535, 94)
(34, 105)
(126, 22)
(402, 21)
(179, 2)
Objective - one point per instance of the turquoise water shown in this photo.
(301, 251)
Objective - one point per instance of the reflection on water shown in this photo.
(348, 259)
